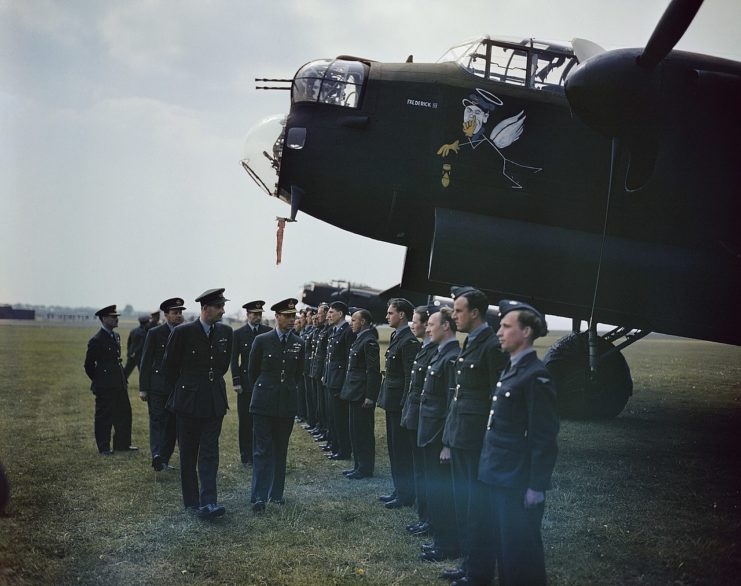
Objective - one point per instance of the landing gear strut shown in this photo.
(592, 377)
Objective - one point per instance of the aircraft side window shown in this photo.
(550, 71)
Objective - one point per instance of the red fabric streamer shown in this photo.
(279, 240)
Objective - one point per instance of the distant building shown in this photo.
(7, 312)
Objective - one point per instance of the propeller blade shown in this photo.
(674, 22)
(584, 49)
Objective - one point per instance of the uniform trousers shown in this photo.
(400, 458)
(162, 430)
(440, 503)
(198, 438)
(362, 437)
(310, 401)
(245, 425)
(473, 515)
(112, 410)
(341, 421)
(517, 539)
(320, 408)
(301, 398)
(271, 435)
(418, 474)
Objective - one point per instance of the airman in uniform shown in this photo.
(319, 356)
(520, 448)
(243, 339)
(276, 362)
(196, 359)
(435, 399)
(477, 371)
(109, 385)
(135, 345)
(307, 336)
(339, 339)
(152, 386)
(410, 416)
(360, 389)
(400, 354)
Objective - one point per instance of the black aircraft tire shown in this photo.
(585, 395)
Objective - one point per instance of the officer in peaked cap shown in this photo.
(275, 365)
(519, 448)
(196, 359)
(153, 388)
(243, 338)
(108, 383)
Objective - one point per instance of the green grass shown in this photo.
(650, 498)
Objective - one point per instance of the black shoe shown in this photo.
(465, 581)
(453, 573)
(413, 526)
(338, 457)
(166, 467)
(385, 498)
(258, 506)
(358, 475)
(421, 529)
(157, 463)
(106, 452)
(280, 501)
(349, 471)
(394, 504)
(427, 547)
(128, 449)
(326, 448)
(435, 555)
(211, 511)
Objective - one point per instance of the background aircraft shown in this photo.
(603, 191)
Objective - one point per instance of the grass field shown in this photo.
(652, 497)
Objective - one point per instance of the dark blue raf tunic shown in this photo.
(437, 393)
(519, 453)
(397, 378)
(316, 372)
(195, 367)
(274, 369)
(162, 430)
(243, 338)
(410, 421)
(108, 383)
(308, 337)
(338, 346)
(477, 371)
(363, 381)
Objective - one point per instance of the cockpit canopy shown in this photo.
(526, 63)
(330, 81)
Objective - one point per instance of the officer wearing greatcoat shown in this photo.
(276, 362)
(520, 448)
(243, 339)
(400, 354)
(196, 360)
(360, 389)
(477, 371)
(108, 383)
(152, 386)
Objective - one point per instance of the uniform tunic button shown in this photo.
(460, 360)
(472, 366)
(457, 387)
(499, 385)
(495, 397)
(433, 372)
(506, 394)
(458, 371)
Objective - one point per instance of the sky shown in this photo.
(122, 125)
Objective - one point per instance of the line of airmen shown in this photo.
(465, 427)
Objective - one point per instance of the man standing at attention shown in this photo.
(478, 368)
(402, 349)
(243, 339)
(338, 347)
(520, 448)
(196, 360)
(108, 383)
(276, 363)
(360, 390)
(153, 388)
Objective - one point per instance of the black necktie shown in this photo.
(283, 341)
(211, 333)
(393, 335)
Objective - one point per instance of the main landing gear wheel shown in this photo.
(583, 394)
